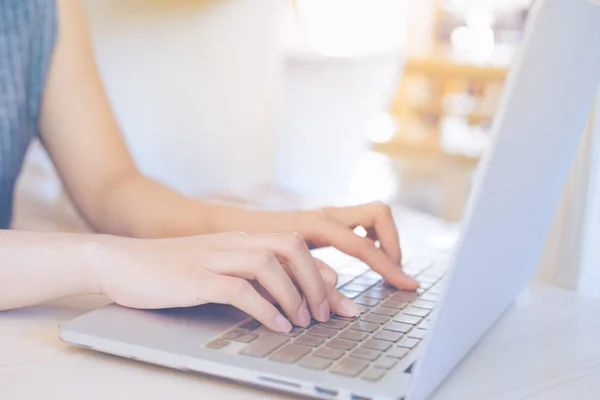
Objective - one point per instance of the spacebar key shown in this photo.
(265, 345)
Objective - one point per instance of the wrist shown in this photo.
(99, 253)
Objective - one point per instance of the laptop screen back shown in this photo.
(546, 102)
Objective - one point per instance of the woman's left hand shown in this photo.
(334, 226)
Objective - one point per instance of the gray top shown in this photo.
(28, 31)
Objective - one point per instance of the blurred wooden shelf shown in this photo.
(448, 68)
(422, 148)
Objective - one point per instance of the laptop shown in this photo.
(404, 344)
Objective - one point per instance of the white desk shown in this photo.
(546, 347)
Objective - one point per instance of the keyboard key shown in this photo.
(290, 354)
(364, 309)
(234, 334)
(342, 344)
(385, 363)
(335, 324)
(424, 285)
(308, 340)
(349, 367)
(396, 352)
(264, 345)
(357, 336)
(329, 353)
(351, 294)
(250, 325)
(372, 274)
(366, 354)
(296, 331)
(217, 343)
(424, 278)
(339, 317)
(428, 305)
(404, 296)
(247, 338)
(397, 327)
(356, 287)
(431, 275)
(390, 312)
(366, 301)
(386, 287)
(434, 290)
(373, 374)
(322, 331)
(408, 343)
(343, 279)
(317, 363)
(376, 294)
(407, 319)
(376, 344)
(390, 336)
(425, 325)
(375, 318)
(367, 280)
(313, 322)
(364, 326)
(430, 297)
(353, 268)
(398, 304)
(417, 334)
(419, 312)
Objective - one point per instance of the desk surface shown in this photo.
(545, 347)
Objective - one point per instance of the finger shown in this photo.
(241, 294)
(330, 277)
(338, 303)
(262, 266)
(293, 254)
(364, 249)
(377, 216)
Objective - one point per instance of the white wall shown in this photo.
(572, 256)
(589, 272)
(195, 86)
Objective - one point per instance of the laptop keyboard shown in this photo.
(391, 325)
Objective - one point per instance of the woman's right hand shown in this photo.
(250, 272)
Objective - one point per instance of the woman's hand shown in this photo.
(250, 272)
(332, 226)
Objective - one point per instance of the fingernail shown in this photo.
(350, 307)
(283, 324)
(303, 316)
(323, 311)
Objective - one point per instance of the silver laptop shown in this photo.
(547, 99)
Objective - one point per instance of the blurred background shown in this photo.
(302, 103)
(289, 103)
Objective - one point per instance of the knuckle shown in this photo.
(239, 288)
(265, 261)
(295, 242)
(329, 276)
(383, 209)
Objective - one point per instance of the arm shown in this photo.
(249, 272)
(83, 139)
(38, 267)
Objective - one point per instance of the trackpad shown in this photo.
(205, 322)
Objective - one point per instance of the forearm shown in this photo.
(135, 206)
(38, 267)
